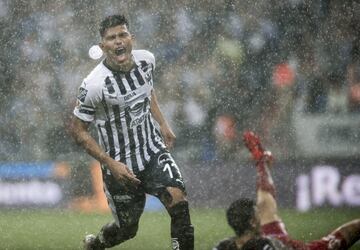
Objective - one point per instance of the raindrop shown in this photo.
(95, 52)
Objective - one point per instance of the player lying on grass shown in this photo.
(258, 225)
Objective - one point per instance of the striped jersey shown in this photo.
(118, 103)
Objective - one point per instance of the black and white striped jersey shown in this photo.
(119, 105)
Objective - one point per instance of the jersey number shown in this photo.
(167, 167)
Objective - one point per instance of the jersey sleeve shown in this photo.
(152, 60)
(88, 98)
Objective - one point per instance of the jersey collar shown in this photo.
(137, 64)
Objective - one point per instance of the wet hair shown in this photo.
(239, 215)
(112, 21)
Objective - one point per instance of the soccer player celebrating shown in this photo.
(118, 97)
(258, 225)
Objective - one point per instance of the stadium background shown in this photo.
(288, 69)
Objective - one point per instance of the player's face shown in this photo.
(117, 46)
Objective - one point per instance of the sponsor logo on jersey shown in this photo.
(127, 97)
(138, 112)
(122, 198)
(137, 121)
(138, 108)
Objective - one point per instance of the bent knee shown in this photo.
(348, 233)
(172, 196)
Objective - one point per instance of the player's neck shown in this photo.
(125, 67)
(241, 240)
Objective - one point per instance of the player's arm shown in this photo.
(266, 202)
(80, 132)
(265, 187)
(165, 129)
(267, 207)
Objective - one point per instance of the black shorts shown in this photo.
(127, 204)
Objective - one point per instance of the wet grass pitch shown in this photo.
(62, 229)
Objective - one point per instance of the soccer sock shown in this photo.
(182, 232)
(264, 180)
(111, 235)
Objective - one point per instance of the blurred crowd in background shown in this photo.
(223, 66)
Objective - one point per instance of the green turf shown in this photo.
(49, 229)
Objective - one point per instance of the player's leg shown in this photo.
(341, 238)
(182, 231)
(126, 206)
(350, 232)
(169, 188)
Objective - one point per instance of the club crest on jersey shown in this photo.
(82, 94)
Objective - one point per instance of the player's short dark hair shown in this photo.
(239, 215)
(112, 21)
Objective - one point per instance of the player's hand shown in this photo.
(169, 136)
(123, 174)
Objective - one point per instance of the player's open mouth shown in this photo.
(120, 51)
